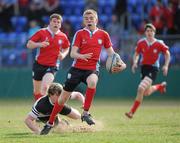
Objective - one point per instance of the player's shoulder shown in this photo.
(142, 40)
(40, 103)
(80, 31)
(42, 31)
(159, 41)
(61, 33)
(102, 31)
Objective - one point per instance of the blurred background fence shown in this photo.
(123, 19)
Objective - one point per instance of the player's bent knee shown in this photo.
(141, 88)
(147, 93)
(62, 100)
(92, 84)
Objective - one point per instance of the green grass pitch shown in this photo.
(154, 122)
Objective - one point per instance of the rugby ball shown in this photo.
(112, 62)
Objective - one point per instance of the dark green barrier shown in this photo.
(18, 83)
(125, 83)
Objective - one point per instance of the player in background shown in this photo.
(52, 47)
(86, 48)
(150, 49)
(42, 108)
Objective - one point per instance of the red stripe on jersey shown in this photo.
(90, 42)
(49, 55)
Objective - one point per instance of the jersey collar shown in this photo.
(150, 43)
(48, 28)
(90, 31)
(50, 101)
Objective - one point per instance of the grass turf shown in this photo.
(154, 122)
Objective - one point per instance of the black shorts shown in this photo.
(40, 70)
(149, 71)
(65, 111)
(76, 76)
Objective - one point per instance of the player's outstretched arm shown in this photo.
(135, 61)
(29, 121)
(110, 51)
(166, 63)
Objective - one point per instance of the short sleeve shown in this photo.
(76, 40)
(107, 40)
(66, 43)
(36, 37)
(138, 47)
(34, 113)
(163, 46)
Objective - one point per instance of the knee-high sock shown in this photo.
(135, 106)
(37, 96)
(90, 92)
(158, 87)
(57, 108)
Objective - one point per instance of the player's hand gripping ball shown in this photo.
(114, 64)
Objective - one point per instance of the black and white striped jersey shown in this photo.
(43, 108)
